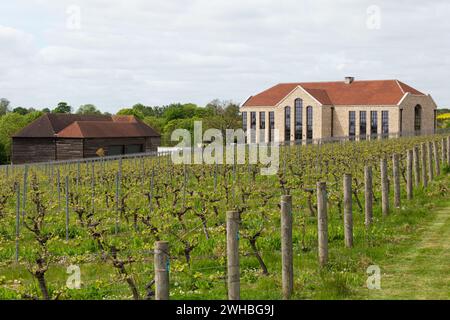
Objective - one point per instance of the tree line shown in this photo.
(219, 114)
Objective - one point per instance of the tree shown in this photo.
(141, 109)
(180, 111)
(4, 104)
(225, 115)
(172, 125)
(20, 110)
(10, 124)
(130, 112)
(31, 116)
(156, 123)
(88, 109)
(3, 155)
(46, 110)
(62, 107)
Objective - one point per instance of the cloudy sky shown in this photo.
(116, 53)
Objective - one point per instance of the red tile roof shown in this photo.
(86, 126)
(365, 92)
(101, 129)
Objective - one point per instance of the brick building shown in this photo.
(318, 110)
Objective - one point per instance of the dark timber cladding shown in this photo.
(68, 136)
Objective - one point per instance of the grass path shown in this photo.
(422, 271)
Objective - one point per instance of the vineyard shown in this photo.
(346, 201)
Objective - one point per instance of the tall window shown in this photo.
(332, 122)
(271, 126)
(298, 119)
(373, 123)
(309, 122)
(363, 124)
(351, 123)
(262, 126)
(287, 123)
(253, 127)
(401, 121)
(244, 121)
(435, 120)
(417, 118)
(385, 122)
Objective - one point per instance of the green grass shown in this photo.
(422, 270)
(411, 246)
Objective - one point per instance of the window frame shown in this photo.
(253, 126)
(287, 123)
(271, 126)
(373, 123)
(244, 121)
(418, 118)
(352, 123)
(309, 122)
(298, 110)
(363, 124)
(262, 120)
(385, 122)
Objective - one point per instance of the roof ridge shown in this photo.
(398, 83)
(360, 92)
(337, 81)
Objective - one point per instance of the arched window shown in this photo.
(309, 122)
(298, 119)
(287, 123)
(417, 118)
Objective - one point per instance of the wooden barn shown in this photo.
(70, 136)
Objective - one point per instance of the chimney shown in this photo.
(349, 80)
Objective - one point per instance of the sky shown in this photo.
(115, 54)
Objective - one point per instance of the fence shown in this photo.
(429, 161)
(322, 214)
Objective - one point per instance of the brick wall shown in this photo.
(323, 115)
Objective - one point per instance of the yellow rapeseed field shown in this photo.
(445, 116)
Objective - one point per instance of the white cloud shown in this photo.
(157, 52)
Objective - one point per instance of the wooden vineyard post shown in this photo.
(58, 183)
(368, 195)
(78, 175)
(448, 150)
(162, 270)
(67, 208)
(287, 270)
(424, 165)
(233, 255)
(322, 223)
(396, 175)
(17, 222)
(409, 174)
(430, 161)
(117, 199)
(416, 166)
(444, 151)
(25, 189)
(437, 164)
(384, 187)
(348, 211)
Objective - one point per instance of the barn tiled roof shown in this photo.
(364, 92)
(86, 126)
(101, 129)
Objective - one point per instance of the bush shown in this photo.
(446, 169)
